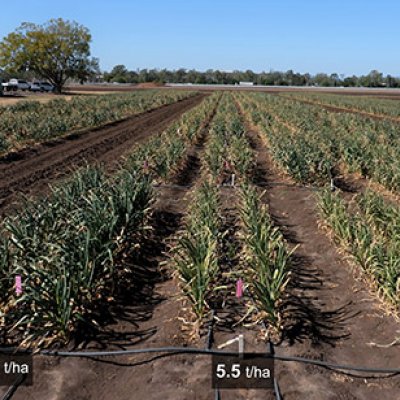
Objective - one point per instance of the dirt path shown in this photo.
(30, 170)
(333, 315)
(146, 315)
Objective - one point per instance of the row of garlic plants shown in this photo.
(228, 150)
(30, 122)
(367, 104)
(267, 257)
(199, 250)
(175, 140)
(65, 247)
(195, 256)
(369, 230)
(313, 144)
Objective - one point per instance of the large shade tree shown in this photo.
(57, 50)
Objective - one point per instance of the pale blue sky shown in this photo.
(353, 36)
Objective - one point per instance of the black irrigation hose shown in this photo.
(12, 389)
(210, 336)
(209, 343)
(192, 350)
(266, 184)
(338, 366)
(276, 390)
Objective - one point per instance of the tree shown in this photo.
(119, 70)
(375, 78)
(322, 79)
(350, 81)
(335, 79)
(118, 74)
(57, 50)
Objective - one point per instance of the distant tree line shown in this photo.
(375, 78)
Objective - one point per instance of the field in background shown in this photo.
(391, 93)
(70, 91)
(10, 99)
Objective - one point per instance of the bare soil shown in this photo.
(29, 171)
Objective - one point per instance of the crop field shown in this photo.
(32, 122)
(174, 218)
(370, 105)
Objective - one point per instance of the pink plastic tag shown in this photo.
(18, 285)
(239, 288)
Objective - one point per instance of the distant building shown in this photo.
(246, 84)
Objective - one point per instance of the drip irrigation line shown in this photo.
(209, 343)
(189, 350)
(12, 389)
(210, 336)
(172, 186)
(260, 184)
(276, 390)
(343, 367)
(194, 350)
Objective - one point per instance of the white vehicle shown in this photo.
(16, 84)
(11, 85)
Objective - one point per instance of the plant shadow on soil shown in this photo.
(309, 319)
(345, 186)
(134, 298)
(190, 170)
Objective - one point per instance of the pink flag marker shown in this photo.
(239, 288)
(18, 285)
